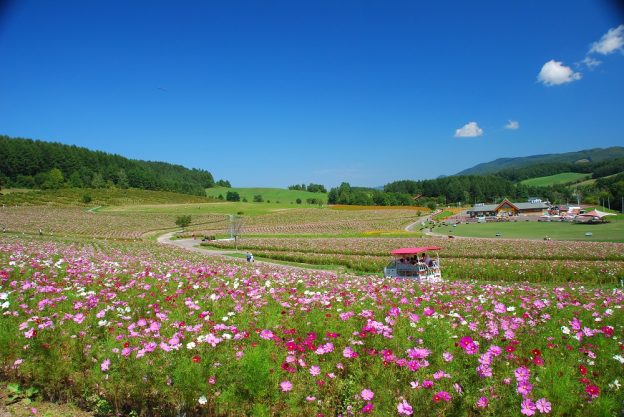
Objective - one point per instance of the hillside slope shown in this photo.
(26, 163)
(590, 155)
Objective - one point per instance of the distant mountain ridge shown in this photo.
(587, 155)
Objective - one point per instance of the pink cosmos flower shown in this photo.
(315, 370)
(447, 356)
(286, 386)
(105, 365)
(482, 402)
(367, 394)
(349, 353)
(266, 334)
(404, 408)
(522, 373)
(543, 406)
(418, 353)
(528, 407)
(524, 388)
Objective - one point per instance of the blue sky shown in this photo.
(271, 93)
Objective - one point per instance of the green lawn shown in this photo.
(563, 178)
(268, 194)
(608, 232)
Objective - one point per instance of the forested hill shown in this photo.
(588, 155)
(36, 164)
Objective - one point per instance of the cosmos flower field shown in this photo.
(496, 260)
(137, 328)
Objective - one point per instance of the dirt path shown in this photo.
(191, 245)
(410, 227)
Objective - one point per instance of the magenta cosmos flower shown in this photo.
(528, 407)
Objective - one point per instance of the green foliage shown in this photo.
(183, 221)
(258, 198)
(298, 201)
(28, 163)
(273, 194)
(86, 198)
(19, 393)
(232, 196)
(312, 188)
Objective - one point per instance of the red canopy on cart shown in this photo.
(414, 251)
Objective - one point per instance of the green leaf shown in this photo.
(14, 388)
(30, 392)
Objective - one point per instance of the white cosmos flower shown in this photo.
(4, 295)
(619, 358)
(565, 330)
(615, 385)
(190, 345)
(202, 400)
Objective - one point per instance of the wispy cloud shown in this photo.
(512, 125)
(610, 42)
(469, 130)
(555, 73)
(590, 62)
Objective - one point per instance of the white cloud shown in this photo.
(555, 73)
(469, 130)
(610, 42)
(590, 62)
(513, 125)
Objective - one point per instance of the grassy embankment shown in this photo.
(563, 178)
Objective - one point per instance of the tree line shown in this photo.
(313, 188)
(27, 163)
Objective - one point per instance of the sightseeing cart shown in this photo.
(421, 263)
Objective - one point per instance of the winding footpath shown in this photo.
(191, 245)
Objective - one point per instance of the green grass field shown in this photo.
(608, 232)
(563, 178)
(268, 194)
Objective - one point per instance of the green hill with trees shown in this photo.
(27, 163)
(578, 158)
(267, 195)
